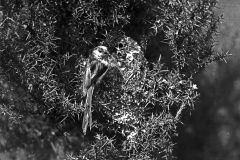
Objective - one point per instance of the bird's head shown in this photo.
(101, 53)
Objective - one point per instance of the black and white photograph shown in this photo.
(119, 79)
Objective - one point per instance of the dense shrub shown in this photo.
(158, 46)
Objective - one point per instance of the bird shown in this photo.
(96, 67)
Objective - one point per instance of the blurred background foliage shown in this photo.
(212, 131)
(136, 109)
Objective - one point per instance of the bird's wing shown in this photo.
(98, 71)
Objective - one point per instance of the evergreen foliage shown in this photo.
(158, 46)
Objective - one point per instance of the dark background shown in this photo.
(212, 131)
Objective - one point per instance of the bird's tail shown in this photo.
(87, 117)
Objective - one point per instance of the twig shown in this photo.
(177, 117)
(129, 78)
